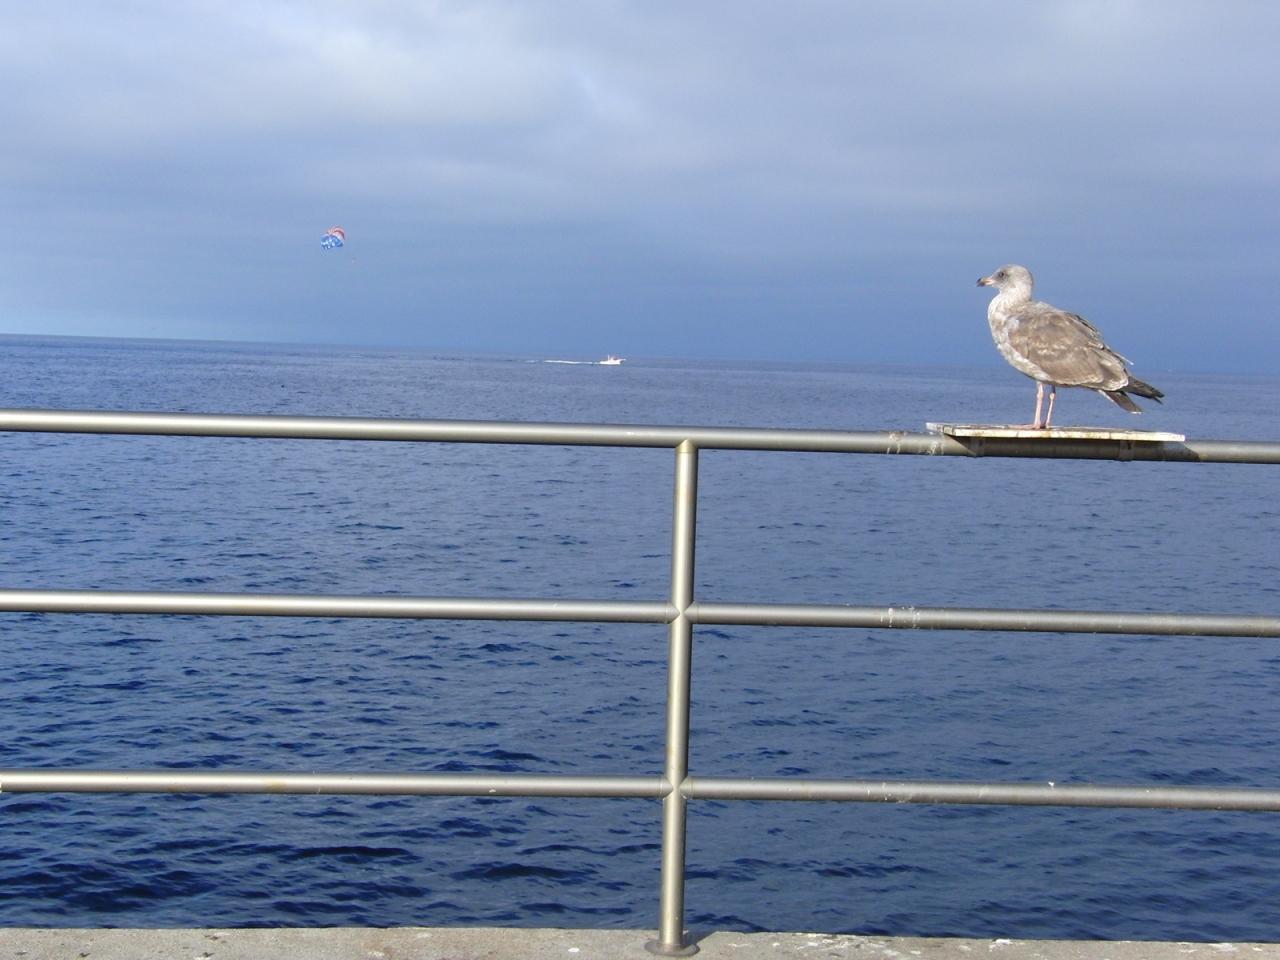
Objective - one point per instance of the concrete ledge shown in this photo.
(449, 943)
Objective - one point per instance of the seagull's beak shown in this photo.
(985, 282)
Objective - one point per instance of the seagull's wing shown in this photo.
(1067, 347)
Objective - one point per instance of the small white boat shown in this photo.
(611, 361)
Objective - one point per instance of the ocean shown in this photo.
(160, 513)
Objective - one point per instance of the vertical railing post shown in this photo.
(671, 934)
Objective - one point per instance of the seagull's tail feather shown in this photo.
(1143, 389)
(1121, 399)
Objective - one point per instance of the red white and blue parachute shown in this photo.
(333, 238)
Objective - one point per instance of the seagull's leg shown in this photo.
(1053, 395)
(1035, 424)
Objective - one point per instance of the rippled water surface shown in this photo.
(161, 513)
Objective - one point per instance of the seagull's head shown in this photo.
(1010, 279)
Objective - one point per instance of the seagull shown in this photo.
(1054, 347)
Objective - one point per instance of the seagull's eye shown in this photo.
(1001, 275)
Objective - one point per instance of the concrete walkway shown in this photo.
(426, 943)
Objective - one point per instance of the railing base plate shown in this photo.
(660, 949)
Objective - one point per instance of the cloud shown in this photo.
(503, 143)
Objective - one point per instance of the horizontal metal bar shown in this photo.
(1019, 794)
(617, 611)
(958, 618)
(622, 435)
(299, 605)
(696, 788)
(378, 784)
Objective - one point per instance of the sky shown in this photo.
(805, 180)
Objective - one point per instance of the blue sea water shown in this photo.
(347, 517)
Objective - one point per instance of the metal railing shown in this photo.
(681, 611)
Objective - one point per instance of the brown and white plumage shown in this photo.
(1055, 347)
